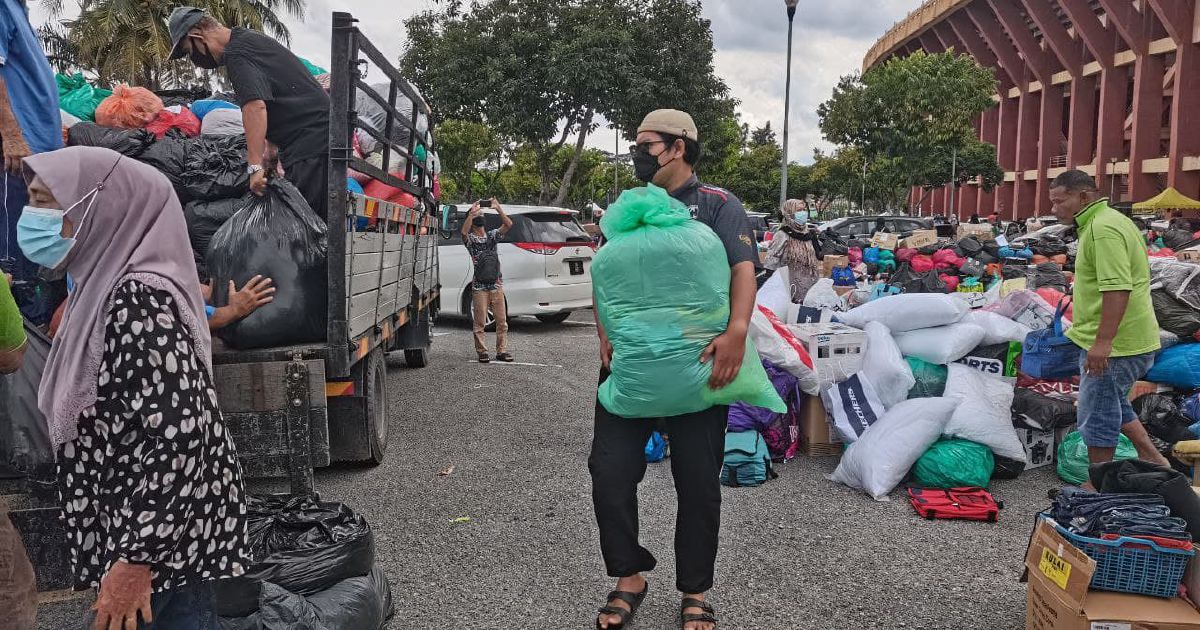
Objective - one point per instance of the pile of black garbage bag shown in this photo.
(313, 569)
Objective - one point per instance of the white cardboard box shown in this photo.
(836, 349)
(1040, 447)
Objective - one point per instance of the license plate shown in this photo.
(576, 267)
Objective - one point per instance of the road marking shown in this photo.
(518, 363)
(438, 334)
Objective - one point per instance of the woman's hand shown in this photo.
(124, 592)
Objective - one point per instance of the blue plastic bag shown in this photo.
(662, 294)
(1191, 407)
(203, 107)
(656, 448)
(1178, 366)
(1049, 354)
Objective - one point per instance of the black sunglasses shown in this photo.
(644, 147)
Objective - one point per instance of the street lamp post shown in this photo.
(1112, 176)
(787, 103)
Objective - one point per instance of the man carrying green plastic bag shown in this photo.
(674, 298)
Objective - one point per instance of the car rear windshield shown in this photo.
(546, 227)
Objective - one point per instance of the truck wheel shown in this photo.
(556, 318)
(375, 392)
(416, 358)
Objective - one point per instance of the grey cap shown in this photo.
(181, 21)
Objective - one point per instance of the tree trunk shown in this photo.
(568, 177)
(543, 163)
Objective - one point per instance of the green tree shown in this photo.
(908, 116)
(464, 146)
(127, 40)
(763, 136)
(540, 71)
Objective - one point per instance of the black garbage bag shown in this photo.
(1034, 411)
(169, 156)
(277, 236)
(127, 142)
(1173, 315)
(930, 250)
(1012, 272)
(215, 168)
(359, 602)
(986, 258)
(1163, 419)
(972, 268)
(1176, 239)
(858, 242)
(300, 544)
(1007, 469)
(992, 248)
(24, 438)
(1049, 246)
(204, 218)
(969, 247)
(910, 281)
(829, 245)
(1049, 275)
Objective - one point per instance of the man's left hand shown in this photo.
(726, 353)
(1097, 359)
(124, 592)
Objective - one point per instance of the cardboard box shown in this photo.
(982, 231)
(1059, 599)
(832, 262)
(1040, 447)
(836, 349)
(883, 240)
(1189, 255)
(919, 239)
(817, 435)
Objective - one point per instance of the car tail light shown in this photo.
(545, 249)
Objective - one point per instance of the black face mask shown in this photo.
(477, 222)
(646, 166)
(204, 59)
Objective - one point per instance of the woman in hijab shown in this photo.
(793, 248)
(150, 482)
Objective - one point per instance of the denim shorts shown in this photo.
(1104, 400)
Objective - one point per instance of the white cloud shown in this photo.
(831, 37)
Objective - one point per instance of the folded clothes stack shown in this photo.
(1099, 514)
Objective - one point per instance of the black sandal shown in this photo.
(484, 358)
(504, 357)
(633, 599)
(709, 615)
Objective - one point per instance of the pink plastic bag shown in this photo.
(128, 108)
(855, 255)
(185, 121)
(921, 263)
(905, 254)
(946, 259)
(951, 282)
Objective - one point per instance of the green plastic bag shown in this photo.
(662, 294)
(312, 68)
(1073, 457)
(77, 97)
(954, 464)
(931, 379)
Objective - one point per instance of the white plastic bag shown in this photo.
(997, 328)
(908, 311)
(854, 406)
(779, 346)
(822, 295)
(776, 293)
(884, 366)
(984, 413)
(883, 455)
(941, 345)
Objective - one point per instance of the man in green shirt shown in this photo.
(18, 594)
(1114, 317)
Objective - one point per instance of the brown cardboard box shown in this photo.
(1189, 255)
(919, 239)
(982, 231)
(816, 436)
(844, 291)
(883, 240)
(830, 262)
(1059, 599)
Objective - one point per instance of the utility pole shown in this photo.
(953, 179)
(787, 104)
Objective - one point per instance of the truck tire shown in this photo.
(416, 358)
(375, 392)
(556, 318)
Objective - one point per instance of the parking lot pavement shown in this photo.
(507, 539)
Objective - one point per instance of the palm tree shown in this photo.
(127, 40)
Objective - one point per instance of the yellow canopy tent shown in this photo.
(1169, 199)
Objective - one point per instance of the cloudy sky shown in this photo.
(751, 37)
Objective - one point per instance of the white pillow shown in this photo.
(884, 366)
(908, 311)
(942, 345)
(984, 413)
(883, 455)
(998, 328)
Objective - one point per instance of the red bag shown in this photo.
(951, 282)
(946, 258)
(921, 263)
(185, 121)
(128, 108)
(905, 254)
(971, 504)
(379, 190)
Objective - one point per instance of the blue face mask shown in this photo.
(39, 235)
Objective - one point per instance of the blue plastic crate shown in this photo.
(1132, 565)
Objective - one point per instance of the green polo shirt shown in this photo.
(1112, 257)
(12, 330)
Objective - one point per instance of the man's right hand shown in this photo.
(258, 183)
(15, 150)
(606, 352)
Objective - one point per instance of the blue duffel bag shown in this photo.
(1048, 353)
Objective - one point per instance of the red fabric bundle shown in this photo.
(905, 254)
(946, 259)
(379, 190)
(855, 255)
(921, 263)
(185, 121)
(951, 282)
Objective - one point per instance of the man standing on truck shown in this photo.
(487, 285)
(666, 153)
(280, 99)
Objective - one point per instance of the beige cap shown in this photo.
(670, 121)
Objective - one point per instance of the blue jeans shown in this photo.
(190, 607)
(1104, 400)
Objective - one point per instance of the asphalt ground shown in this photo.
(507, 539)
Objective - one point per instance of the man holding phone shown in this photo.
(487, 285)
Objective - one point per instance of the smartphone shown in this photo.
(485, 203)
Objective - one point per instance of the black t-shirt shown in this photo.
(723, 212)
(260, 68)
